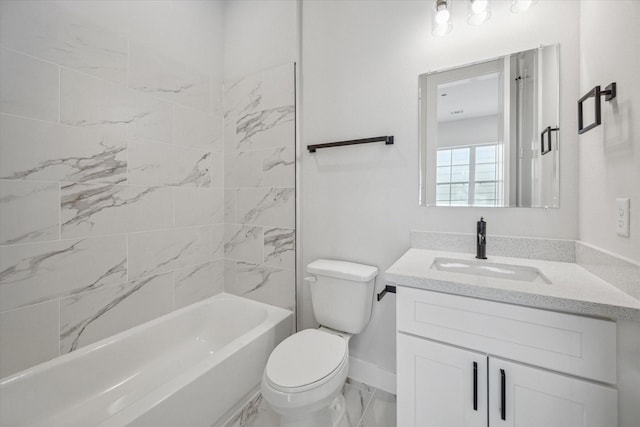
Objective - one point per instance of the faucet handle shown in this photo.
(481, 239)
(481, 226)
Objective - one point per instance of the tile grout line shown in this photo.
(59, 325)
(118, 134)
(125, 84)
(59, 95)
(59, 239)
(368, 405)
(226, 192)
(113, 234)
(173, 193)
(127, 255)
(35, 304)
(128, 61)
(173, 288)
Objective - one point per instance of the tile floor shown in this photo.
(366, 406)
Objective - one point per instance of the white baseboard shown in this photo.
(372, 375)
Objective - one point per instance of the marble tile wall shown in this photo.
(259, 186)
(112, 196)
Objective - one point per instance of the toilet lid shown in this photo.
(305, 358)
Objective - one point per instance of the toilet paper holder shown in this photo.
(387, 288)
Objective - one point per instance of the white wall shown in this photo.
(259, 34)
(609, 160)
(360, 79)
(610, 154)
(476, 130)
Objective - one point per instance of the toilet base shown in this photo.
(330, 416)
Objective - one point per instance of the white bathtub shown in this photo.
(188, 368)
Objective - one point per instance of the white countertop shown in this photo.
(573, 289)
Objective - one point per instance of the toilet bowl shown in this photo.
(304, 376)
(305, 373)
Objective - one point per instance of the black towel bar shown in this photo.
(387, 140)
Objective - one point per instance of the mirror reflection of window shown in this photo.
(470, 175)
(469, 156)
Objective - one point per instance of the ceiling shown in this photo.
(468, 98)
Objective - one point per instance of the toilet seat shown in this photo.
(306, 360)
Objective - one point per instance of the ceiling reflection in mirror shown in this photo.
(489, 132)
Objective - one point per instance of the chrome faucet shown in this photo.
(481, 243)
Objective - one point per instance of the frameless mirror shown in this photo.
(489, 132)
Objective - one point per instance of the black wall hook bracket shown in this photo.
(387, 288)
(609, 93)
(545, 148)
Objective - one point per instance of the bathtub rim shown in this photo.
(271, 311)
(132, 412)
(274, 319)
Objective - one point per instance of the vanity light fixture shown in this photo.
(441, 18)
(521, 6)
(479, 12)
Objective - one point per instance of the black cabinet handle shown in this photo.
(475, 386)
(503, 395)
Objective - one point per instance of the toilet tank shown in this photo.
(342, 294)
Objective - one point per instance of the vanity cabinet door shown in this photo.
(440, 385)
(522, 396)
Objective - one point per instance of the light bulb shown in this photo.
(479, 12)
(520, 6)
(479, 6)
(442, 16)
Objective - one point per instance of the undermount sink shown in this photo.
(489, 269)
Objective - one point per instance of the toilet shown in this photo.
(305, 373)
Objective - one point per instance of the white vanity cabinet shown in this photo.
(440, 385)
(468, 362)
(536, 397)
